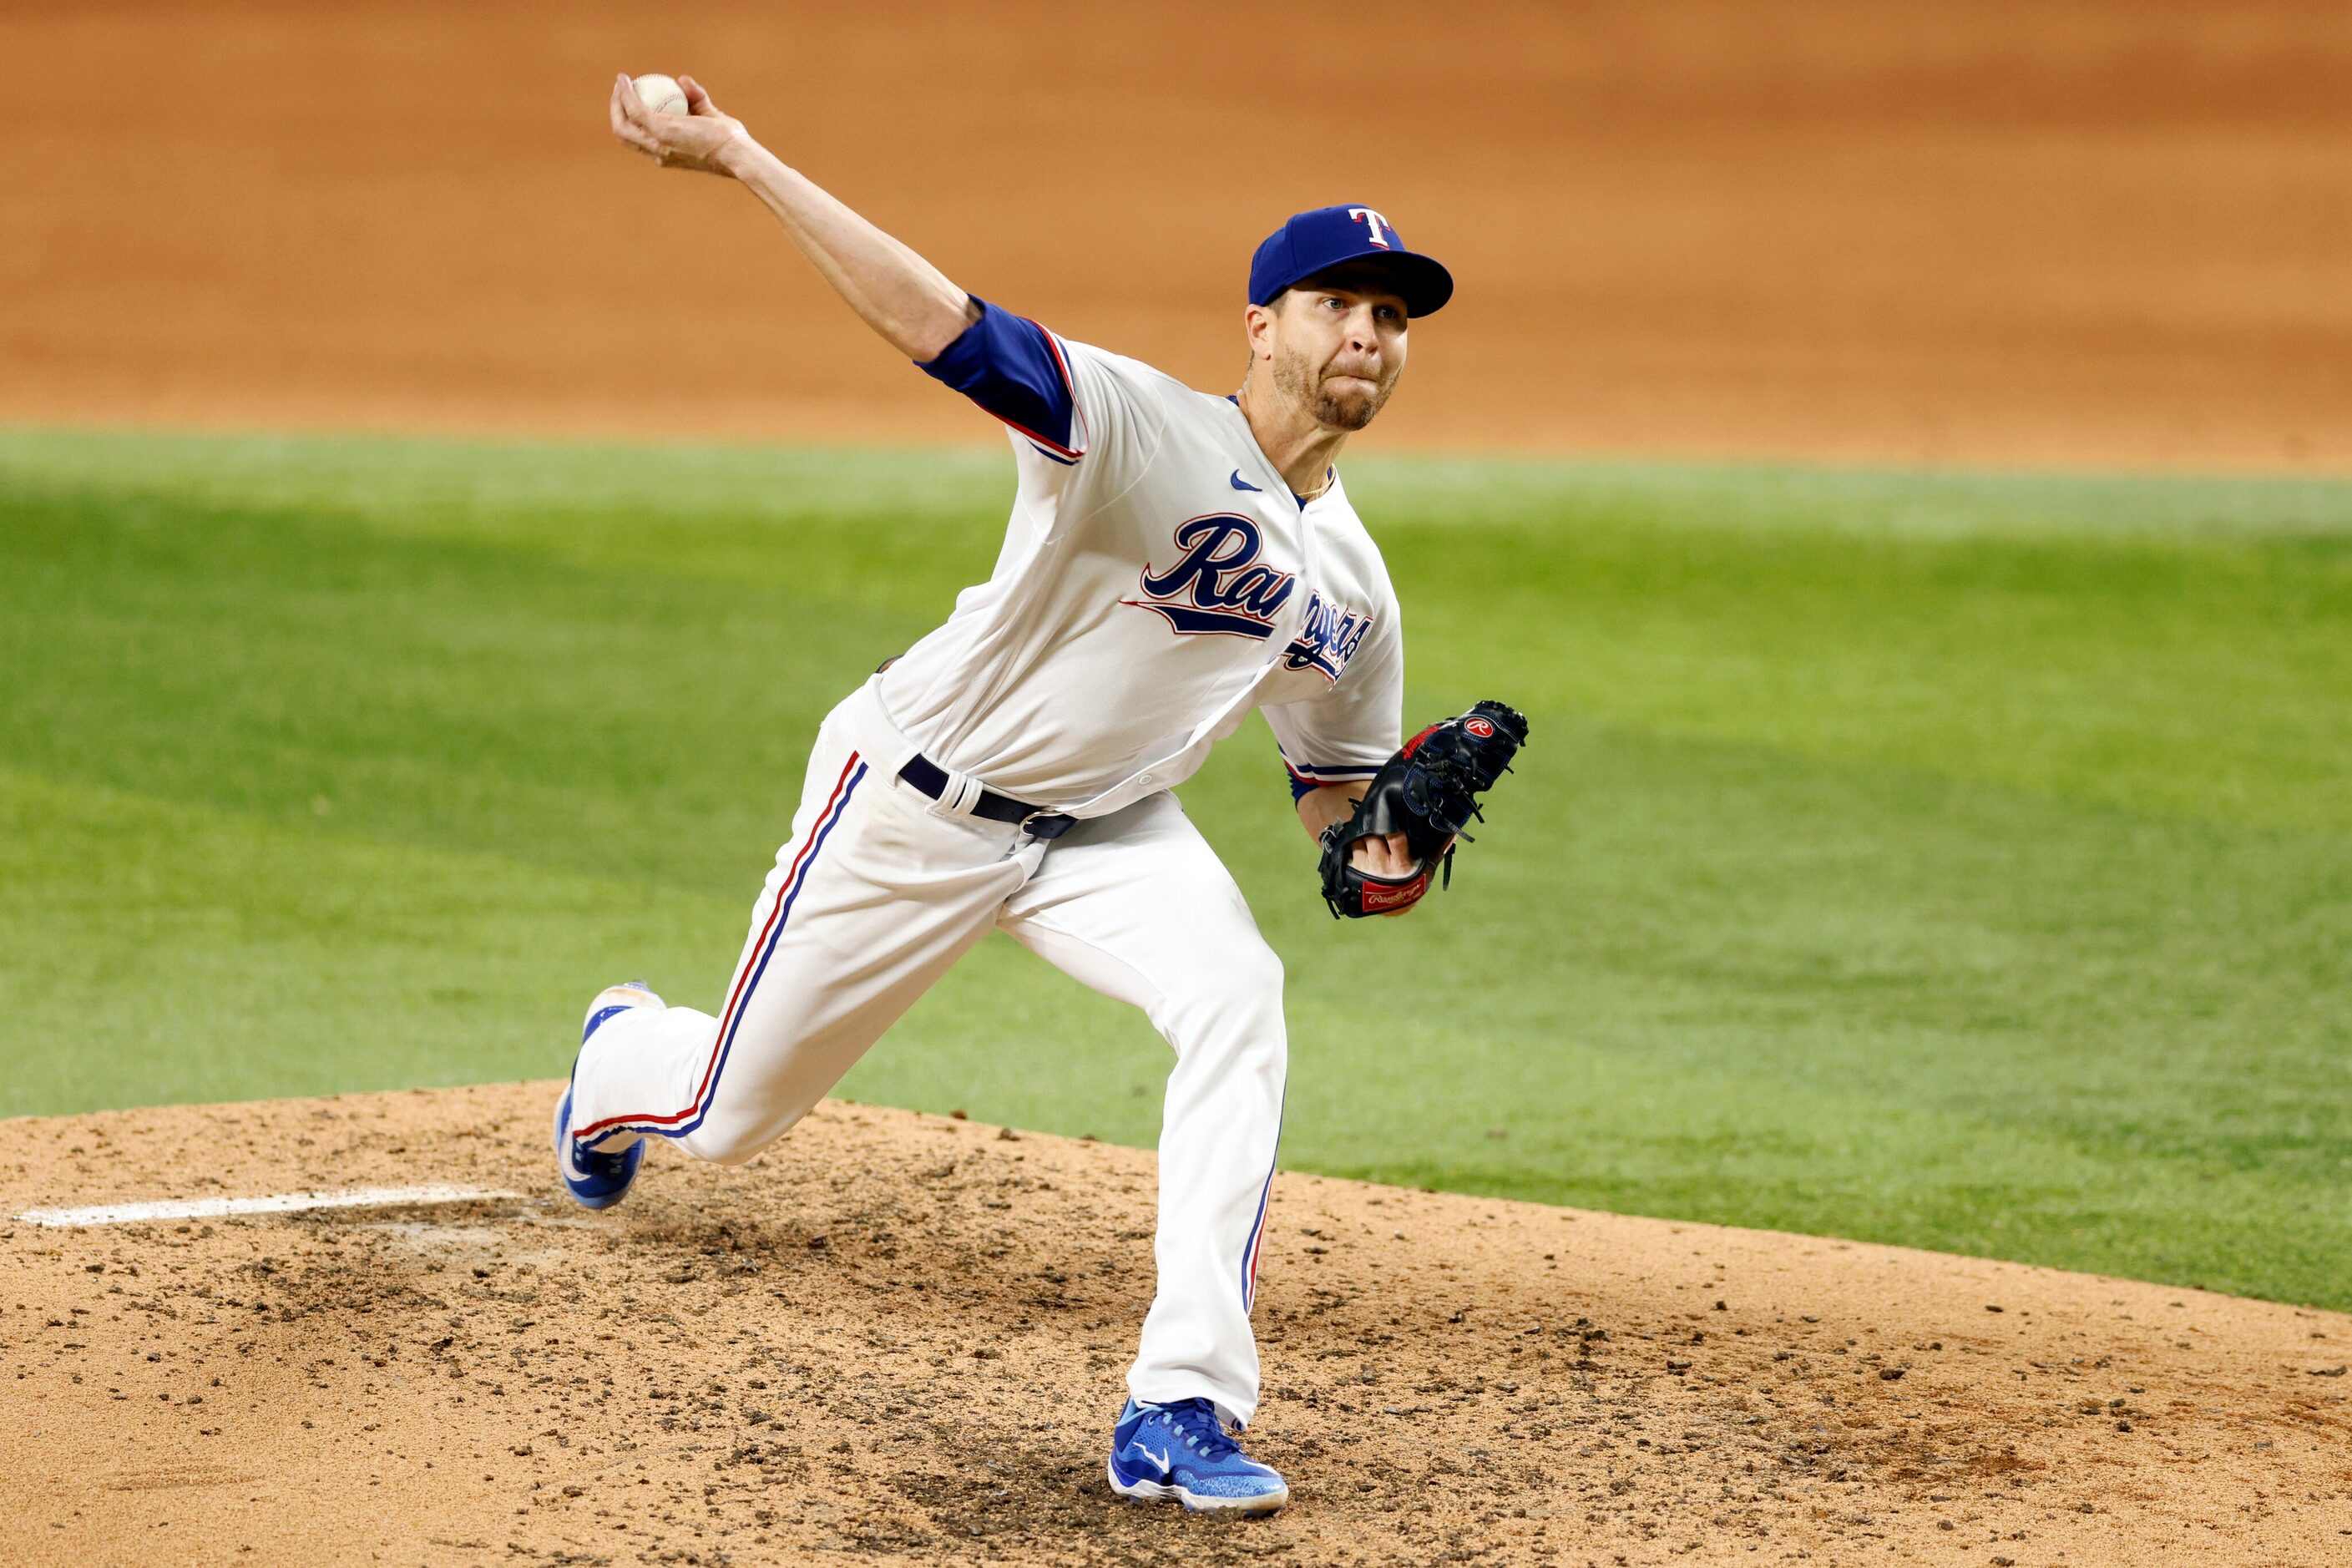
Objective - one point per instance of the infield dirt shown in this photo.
(2105, 232)
(896, 1337)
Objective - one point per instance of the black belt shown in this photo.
(1038, 823)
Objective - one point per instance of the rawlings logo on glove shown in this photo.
(1428, 792)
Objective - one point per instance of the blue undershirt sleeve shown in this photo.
(1012, 367)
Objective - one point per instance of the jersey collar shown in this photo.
(1330, 474)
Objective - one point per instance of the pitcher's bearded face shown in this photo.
(1340, 345)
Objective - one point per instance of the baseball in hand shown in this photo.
(659, 93)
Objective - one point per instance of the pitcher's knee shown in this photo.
(737, 1139)
(1236, 999)
(1242, 979)
(1259, 975)
(726, 1151)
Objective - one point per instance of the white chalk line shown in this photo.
(275, 1203)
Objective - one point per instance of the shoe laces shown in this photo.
(1195, 1421)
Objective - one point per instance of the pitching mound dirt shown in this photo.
(900, 1337)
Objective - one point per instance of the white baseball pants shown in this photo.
(879, 890)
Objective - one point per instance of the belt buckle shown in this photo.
(1059, 824)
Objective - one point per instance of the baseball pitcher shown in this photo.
(1173, 560)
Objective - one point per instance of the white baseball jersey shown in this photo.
(1157, 580)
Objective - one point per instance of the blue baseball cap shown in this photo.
(1311, 241)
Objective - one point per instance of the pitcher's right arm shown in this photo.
(909, 301)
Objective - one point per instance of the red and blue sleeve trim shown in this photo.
(1303, 778)
(1015, 369)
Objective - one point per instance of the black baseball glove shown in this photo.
(1428, 792)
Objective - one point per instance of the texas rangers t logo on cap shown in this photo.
(1325, 237)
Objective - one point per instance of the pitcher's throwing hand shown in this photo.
(694, 139)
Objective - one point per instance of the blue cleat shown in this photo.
(1184, 1451)
(598, 1180)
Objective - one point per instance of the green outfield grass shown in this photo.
(1957, 860)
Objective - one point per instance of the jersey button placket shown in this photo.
(1302, 593)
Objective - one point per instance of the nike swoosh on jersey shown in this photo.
(1242, 484)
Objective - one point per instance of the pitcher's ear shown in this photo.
(1258, 325)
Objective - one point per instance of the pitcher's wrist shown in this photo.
(740, 155)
